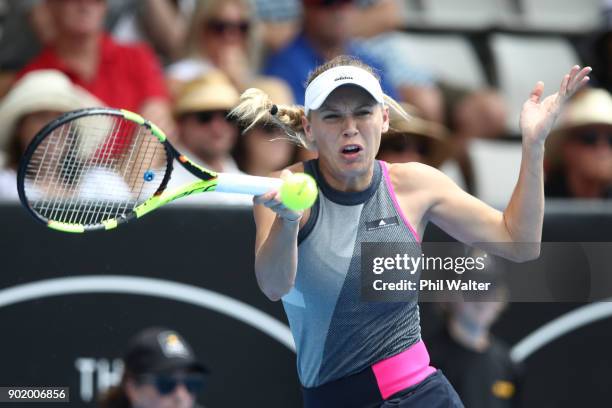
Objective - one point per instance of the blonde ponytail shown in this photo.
(395, 109)
(255, 108)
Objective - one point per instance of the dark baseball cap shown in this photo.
(159, 350)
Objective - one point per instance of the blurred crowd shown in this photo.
(183, 63)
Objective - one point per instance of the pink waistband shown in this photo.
(403, 370)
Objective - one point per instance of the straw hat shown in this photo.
(39, 91)
(589, 107)
(277, 89)
(433, 133)
(212, 91)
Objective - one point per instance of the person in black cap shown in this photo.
(476, 362)
(161, 371)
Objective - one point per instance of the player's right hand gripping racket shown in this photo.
(94, 169)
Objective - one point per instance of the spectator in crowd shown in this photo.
(25, 27)
(162, 23)
(122, 76)
(35, 100)
(264, 148)
(206, 135)
(221, 36)
(326, 33)
(160, 371)
(579, 152)
(414, 139)
(28, 26)
(280, 22)
(471, 114)
(281, 19)
(476, 113)
(374, 17)
(362, 19)
(476, 362)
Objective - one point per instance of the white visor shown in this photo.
(324, 84)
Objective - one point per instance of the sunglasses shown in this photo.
(205, 117)
(165, 384)
(220, 27)
(404, 143)
(592, 137)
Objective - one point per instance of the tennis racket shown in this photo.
(97, 168)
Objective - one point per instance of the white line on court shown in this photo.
(151, 287)
(560, 326)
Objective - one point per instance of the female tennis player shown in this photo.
(352, 353)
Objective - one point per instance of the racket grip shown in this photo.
(245, 184)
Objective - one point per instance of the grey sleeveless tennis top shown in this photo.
(336, 333)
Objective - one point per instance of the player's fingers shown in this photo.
(285, 174)
(564, 84)
(262, 198)
(537, 91)
(584, 81)
(575, 69)
(578, 77)
(277, 197)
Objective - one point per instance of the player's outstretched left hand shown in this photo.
(538, 116)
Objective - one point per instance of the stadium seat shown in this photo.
(496, 169)
(474, 14)
(448, 57)
(496, 165)
(520, 61)
(562, 15)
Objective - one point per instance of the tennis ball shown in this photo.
(298, 191)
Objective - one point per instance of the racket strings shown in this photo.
(104, 160)
(92, 169)
(66, 212)
(137, 181)
(100, 161)
(56, 152)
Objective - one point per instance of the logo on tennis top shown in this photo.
(382, 223)
(340, 78)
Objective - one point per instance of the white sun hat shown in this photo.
(40, 90)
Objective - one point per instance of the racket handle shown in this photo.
(245, 184)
